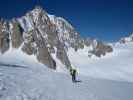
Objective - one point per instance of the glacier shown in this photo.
(106, 78)
(114, 66)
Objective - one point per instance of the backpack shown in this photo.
(71, 71)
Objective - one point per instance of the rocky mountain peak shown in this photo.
(41, 34)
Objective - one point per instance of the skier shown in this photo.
(73, 74)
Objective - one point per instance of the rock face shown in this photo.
(98, 48)
(40, 34)
(44, 57)
(62, 55)
(16, 35)
(4, 36)
(101, 49)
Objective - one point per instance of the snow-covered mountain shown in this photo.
(37, 40)
(47, 37)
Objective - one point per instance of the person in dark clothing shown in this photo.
(73, 74)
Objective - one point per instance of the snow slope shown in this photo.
(17, 57)
(106, 78)
(115, 66)
(17, 83)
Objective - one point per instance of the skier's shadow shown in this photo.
(77, 81)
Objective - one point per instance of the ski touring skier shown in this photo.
(74, 73)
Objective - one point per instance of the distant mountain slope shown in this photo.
(114, 66)
(127, 39)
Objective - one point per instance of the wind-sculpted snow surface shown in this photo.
(43, 84)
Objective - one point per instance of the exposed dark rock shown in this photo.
(101, 49)
(29, 46)
(127, 39)
(44, 57)
(88, 41)
(16, 35)
(4, 37)
(62, 55)
(28, 49)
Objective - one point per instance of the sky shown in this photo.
(106, 20)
